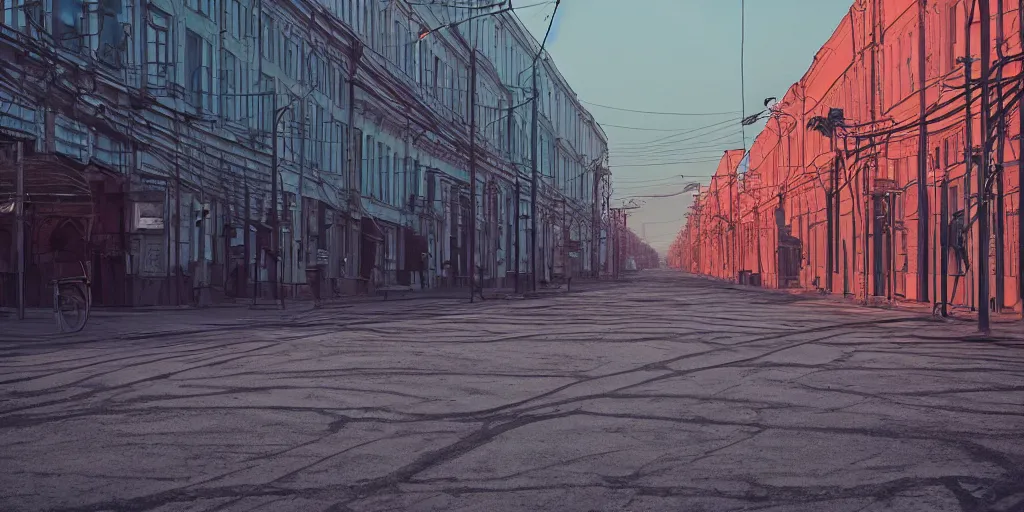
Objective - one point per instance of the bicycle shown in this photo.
(72, 301)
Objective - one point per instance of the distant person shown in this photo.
(424, 265)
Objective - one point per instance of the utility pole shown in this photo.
(275, 223)
(472, 175)
(983, 224)
(533, 179)
(1000, 214)
(515, 168)
(595, 228)
(243, 270)
(830, 200)
(1020, 189)
(922, 160)
(19, 158)
(868, 207)
(968, 61)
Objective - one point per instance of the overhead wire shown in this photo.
(667, 139)
(657, 113)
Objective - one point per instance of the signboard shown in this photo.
(572, 245)
(149, 215)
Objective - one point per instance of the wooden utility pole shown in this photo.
(515, 168)
(873, 87)
(533, 179)
(472, 175)
(983, 220)
(922, 158)
(19, 159)
(1000, 143)
(1020, 169)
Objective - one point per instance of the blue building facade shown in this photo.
(191, 150)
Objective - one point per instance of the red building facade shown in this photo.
(848, 191)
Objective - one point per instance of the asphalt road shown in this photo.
(663, 393)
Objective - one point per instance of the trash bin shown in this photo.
(744, 277)
(755, 279)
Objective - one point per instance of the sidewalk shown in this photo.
(111, 323)
(124, 323)
(1007, 323)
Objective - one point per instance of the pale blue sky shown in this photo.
(678, 56)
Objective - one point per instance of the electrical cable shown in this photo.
(656, 113)
(665, 140)
(743, 99)
(680, 162)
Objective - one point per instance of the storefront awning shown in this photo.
(49, 180)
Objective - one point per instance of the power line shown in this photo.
(743, 99)
(723, 142)
(674, 130)
(660, 113)
(670, 163)
(653, 159)
(666, 140)
(547, 32)
(656, 196)
(652, 180)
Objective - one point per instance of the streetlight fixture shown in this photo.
(427, 31)
(829, 126)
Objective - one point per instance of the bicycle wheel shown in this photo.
(72, 308)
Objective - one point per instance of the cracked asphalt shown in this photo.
(666, 392)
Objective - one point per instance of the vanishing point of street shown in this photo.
(664, 392)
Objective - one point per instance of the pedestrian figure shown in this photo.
(958, 241)
(478, 287)
(424, 265)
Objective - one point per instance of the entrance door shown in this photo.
(880, 246)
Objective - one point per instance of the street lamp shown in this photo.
(427, 31)
(829, 126)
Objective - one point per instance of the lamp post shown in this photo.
(272, 215)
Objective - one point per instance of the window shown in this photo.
(13, 13)
(266, 117)
(239, 22)
(953, 29)
(69, 23)
(341, 97)
(204, 7)
(198, 61)
(159, 65)
(269, 39)
(437, 71)
(382, 170)
(290, 62)
(229, 86)
(369, 169)
(113, 21)
(397, 179)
